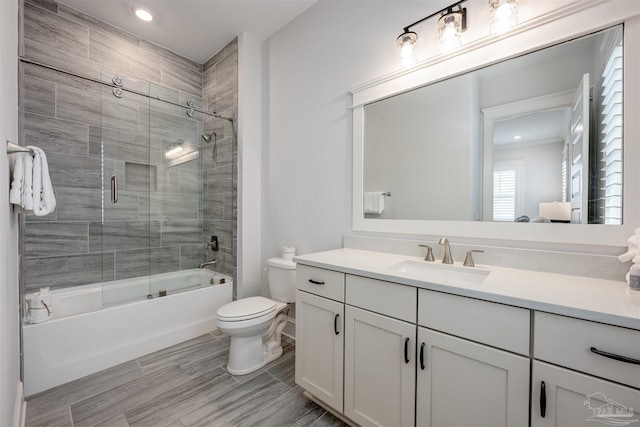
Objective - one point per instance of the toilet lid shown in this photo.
(246, 308)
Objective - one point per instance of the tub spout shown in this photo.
(204, 264)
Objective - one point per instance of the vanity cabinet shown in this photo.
(461, 382)
(320, 334)
(379, 354)
(571, 393)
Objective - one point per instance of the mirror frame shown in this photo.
(566, 23)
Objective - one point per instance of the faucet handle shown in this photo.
(429, 256)
(468, 261)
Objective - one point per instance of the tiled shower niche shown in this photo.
(167, 209)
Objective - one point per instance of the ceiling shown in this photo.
(196, 29)
(535, 128)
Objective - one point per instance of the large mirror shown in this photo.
(536, 138)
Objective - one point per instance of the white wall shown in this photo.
(9, 318)
(313, 62)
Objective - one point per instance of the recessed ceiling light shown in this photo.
(517, 136)
(143, 14)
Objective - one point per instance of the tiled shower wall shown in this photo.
(219, 159)
(164, 213)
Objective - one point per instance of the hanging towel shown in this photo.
(17, 172)
(373, 202)
(44, 200)
(31, 187)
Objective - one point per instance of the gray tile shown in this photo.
(66, 271)
(166, 94)
(182, 76)
(121, 55)
(58, 418)
(142, 262)
(49, 5)
(39, 96)
(192, 351)
(239, 404)
(181, 232)
(78, 204)
(109, 405)
(190, 181)
(169, 127)
(140, 177)
(91, 22)
(329, 420)
(78, 105)
(213, 206)
(168, 408)
(54, 135)
(121, 145)
(62, 396)
(61, 58)
(283, 368)
(122, 113)
(55, 31)
(121, 235)
(165, 53)
(56, 238)
(174, 206)
(126, 209)
(190, 256)
(168, 180)
(289, 409)
(75, 171)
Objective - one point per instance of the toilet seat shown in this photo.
(246, 309)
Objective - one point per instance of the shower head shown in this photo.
(207, 137)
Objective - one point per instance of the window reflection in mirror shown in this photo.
(537, 138)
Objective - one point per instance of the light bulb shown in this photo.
(504, 15)
(450, 31)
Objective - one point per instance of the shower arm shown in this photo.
(112, 85)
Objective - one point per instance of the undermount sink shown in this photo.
(440, 273)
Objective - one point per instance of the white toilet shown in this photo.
(255, 324)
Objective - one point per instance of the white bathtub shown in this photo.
(98, 326)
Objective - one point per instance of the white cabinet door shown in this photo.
(320, 347)
(462, 383)
(571, 399)
(379, 369)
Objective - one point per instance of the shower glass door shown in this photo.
(128, 236)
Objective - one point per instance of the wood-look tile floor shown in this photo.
(182, 386)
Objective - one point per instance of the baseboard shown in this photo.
(20, 407)
(290, 328)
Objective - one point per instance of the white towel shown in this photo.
(44, 200)
(17, 172)
(373, 202)
(31, 187)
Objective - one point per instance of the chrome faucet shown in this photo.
(204, 264)
(446, 259)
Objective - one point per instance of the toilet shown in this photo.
(255, 324)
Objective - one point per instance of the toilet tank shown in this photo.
(282, 279)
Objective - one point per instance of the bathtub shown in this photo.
(97, 326)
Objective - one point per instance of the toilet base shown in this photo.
(267, 358)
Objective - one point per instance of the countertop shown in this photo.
(605, 301)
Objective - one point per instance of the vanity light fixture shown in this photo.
(451, 24)
(504, 15)
(143, 14)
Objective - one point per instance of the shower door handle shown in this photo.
(114, 189)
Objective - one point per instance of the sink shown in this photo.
(441, 273)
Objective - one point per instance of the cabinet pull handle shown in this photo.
(315, 282)
(422, 356)
(114, 189)
(615, 356)
(543, 400)
(406, 350)
(335, 324)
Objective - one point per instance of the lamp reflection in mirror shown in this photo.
(173, 149)
(504, 15)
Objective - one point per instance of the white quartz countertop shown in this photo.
(605, 301)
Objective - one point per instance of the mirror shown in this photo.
(536, 138)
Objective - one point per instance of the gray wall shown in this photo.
(89, 135)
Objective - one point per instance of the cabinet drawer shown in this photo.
(318, 281)
(389, 299)
(489, 323)
(567, 342)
